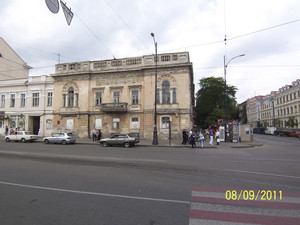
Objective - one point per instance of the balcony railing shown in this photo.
(114, 107)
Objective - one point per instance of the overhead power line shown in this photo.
(126, 24)
(236, 37)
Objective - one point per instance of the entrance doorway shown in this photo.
(34, 124)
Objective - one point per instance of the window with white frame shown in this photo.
(2, 101)
(49, 98)
(174, 100)
(23, 100)
(134, 123)
(70, 124)
(166, 92)
(35, 99)
(12, 100)
(135, 97)
(116, 97)
(98, 99)
(165, 122)
(71, 97)
(116, 123)
(98, 123)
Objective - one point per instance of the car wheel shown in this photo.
(104, 144)
(7, 140)
(46, 141)
(23, 140)
(127, 145)
(63, 142)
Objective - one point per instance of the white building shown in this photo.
(27, 104)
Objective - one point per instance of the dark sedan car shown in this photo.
(60, 138)
(120, 139)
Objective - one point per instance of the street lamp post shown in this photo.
(226, 96)
(155, 138)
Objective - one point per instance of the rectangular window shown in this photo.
(23, 100)
(98, 99)
(174, 96)
(98, 123)
(2, 101)
(12, 100)
(49, 98)
(76, 99)
(35, 99)
(135, 124)
(135, 97)
(165, 122)
(116, 97)
(64, 100)
(157, 97)
(69, 124)
(116, 123)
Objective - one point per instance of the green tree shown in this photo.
(210, 101)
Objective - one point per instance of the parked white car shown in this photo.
(22, 136)
(270, 130)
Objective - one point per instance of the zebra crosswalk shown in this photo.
(211, 206)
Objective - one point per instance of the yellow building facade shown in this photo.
(117, 96)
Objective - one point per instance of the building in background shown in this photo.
(117, 96)
(279, 109)
(11, 64)
(25, 102)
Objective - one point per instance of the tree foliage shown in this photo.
(210, 101)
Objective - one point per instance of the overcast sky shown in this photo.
(267, 31)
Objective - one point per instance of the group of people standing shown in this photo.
(191, 137)
(11, 130)
(97, 134)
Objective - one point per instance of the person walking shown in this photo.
(99, 135)
(184, 137)
(6, 130)
(201, 138)
(193, 140)
(211, 136)
(94, 134)
(218, 136)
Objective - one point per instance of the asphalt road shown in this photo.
(141, 185)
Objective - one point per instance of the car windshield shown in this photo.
(26, 133)
(69, 134)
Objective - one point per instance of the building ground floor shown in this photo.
(39, 123)
(83, 124)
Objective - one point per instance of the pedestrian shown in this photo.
(6, 130)
(218, 136)
(189, 137)
(193, 140)
(184, 137)
(94, 134)
(99, 135)
(201, 138)
(211, 136)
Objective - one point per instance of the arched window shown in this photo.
(166, 92)
(71, 97)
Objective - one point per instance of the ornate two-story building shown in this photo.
(117, 96)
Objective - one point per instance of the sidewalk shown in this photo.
(177, 144)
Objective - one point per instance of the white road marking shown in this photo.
(94, 193)
(257, 173)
